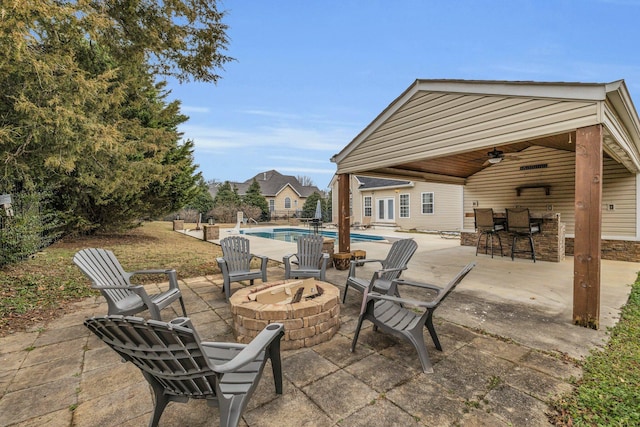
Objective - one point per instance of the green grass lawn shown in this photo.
(609, 392)
(40, 288)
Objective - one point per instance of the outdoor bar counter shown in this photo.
(549, 243)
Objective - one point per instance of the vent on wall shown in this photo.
(529, 167)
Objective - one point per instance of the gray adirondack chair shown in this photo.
(392, 266)
(108, 276)
(312, 262)
(235, 263)
(397, 316)
(179, 367)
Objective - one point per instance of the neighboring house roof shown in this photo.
(271, 183)
(369, 183)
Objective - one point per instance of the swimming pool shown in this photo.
(292, 234)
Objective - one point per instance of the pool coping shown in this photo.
(253, 230)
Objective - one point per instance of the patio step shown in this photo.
(385, 226)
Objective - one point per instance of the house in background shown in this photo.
(284, 193)
(401, 204)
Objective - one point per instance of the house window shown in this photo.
(404, 205)
(427, 203)
(272, 205)
(287, 203)
(367, 205)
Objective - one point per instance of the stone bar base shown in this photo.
(615, 250)
(549, 243)
(306, 323)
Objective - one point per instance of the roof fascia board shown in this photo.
(290, 186)
(620, 145)
(624, 108)
(621, 120)
(559, 90)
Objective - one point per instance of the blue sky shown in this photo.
(310, 75)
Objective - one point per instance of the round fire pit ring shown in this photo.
(311, 321)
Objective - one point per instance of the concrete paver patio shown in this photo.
(506, 334)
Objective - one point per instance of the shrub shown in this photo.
(26, 228)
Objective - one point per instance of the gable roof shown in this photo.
(440, 130)
(369, 183)
(273, 182)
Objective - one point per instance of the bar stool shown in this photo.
(486, 226)
(519, 223)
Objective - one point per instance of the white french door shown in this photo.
(386, 210)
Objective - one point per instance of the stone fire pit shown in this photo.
(306, 323)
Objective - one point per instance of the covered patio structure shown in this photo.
(574, 151)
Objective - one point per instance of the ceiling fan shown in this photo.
(496, 156)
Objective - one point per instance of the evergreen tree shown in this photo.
(254, 197)
(83, 111)
(310, 205)
(226, 196)
(203, 201)
(328, 207)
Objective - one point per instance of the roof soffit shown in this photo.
(623, 124)
(455, 168)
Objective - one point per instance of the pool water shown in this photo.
(292, 234)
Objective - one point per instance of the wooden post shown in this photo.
(344, 215)
(588, 225)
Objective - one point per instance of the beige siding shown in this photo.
(619, 190)
(495, 187)
(433, 124)
(356, 210)
(355, 203)
(296, 201)
(447, 205)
